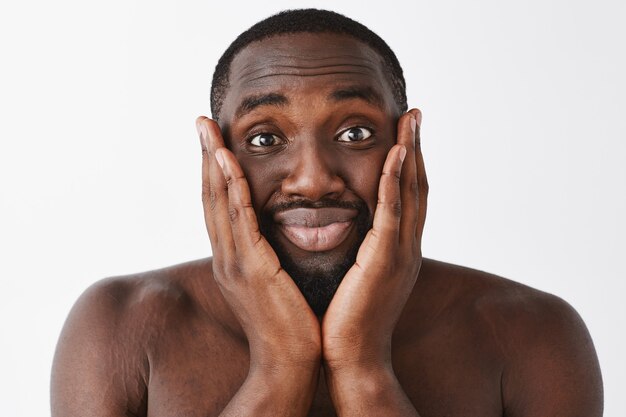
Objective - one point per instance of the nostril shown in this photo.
(312, 182)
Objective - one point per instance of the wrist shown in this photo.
(292, 378)
(370, 375)
(271, 391)
(290, 357)
(360, 390)
(359, 359)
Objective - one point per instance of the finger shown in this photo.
(407, 126)
(240, 210)
(245, 228)
(389, 207)
(207, 193)
(214, 190)
(422, 181)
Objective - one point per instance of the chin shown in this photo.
(317, 274)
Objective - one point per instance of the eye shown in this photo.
(355, 134)
(264, 139)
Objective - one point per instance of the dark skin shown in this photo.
(402, 336)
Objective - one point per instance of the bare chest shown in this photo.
(198, 377)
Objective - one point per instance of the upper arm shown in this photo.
(551, 365)
(97, 365)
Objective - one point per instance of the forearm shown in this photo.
(368, 392)
(274, 392)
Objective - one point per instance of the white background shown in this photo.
(524, 111)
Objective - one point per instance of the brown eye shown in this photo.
(354, 134)
(264, 139)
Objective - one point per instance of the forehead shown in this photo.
(304, 62)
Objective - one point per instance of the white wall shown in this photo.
(523, 135)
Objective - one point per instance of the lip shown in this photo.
(317, 229)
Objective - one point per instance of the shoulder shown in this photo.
(509, 307)
(105, 343)
(549, 363)
(132, 301)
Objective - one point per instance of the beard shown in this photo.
(319, 275)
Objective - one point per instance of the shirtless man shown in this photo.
(313, 179)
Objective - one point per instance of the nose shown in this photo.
(314, 174)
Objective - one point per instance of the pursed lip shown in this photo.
(316, 229)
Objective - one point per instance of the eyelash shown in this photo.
(369, 130)
(255, 135)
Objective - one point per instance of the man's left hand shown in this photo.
(359, 323)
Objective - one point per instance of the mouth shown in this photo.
(316, 229)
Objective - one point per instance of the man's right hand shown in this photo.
(283, 332)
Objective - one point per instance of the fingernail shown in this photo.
(413, 125)
(202, 132)
(418, 118)
(402, 153)
(220, 158)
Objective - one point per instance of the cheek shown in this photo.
(362, 176)
(261, 179)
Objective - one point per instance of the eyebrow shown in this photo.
(252, 102)
(366, 93)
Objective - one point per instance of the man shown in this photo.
(317, 300)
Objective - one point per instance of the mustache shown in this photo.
(358, 205)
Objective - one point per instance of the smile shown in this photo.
(316, 230)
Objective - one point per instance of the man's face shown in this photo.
(311, 117)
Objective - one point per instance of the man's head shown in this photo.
(308, 102)
(307, 21)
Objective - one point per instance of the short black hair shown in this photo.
(307, 21)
